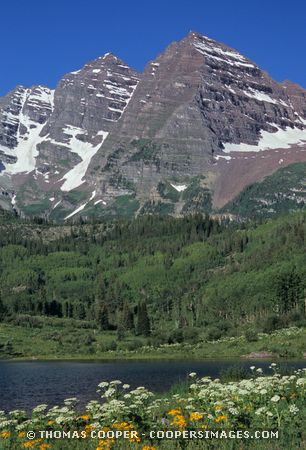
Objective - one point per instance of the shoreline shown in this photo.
(138, 358)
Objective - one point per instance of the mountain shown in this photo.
(200, 125)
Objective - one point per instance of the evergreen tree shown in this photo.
(289, 291)
(127, 318)
(2, 309)
(102, 317)
(143, 321)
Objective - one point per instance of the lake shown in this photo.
(27, 384)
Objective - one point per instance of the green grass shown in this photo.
(67, 339)
(36, 209)
(75, 196)
(286, 442)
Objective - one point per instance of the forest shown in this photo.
(165, 279)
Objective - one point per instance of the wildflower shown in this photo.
(44, 446)
(259, 370)
(104, 384)
(135, 439)
(165, 421)
(5, 434)
(293, 409)
(275, 399)
(147, 447)
(293, 396)
(174, 412)
(195, 416)
(105, 444)
(22, 434)
(115, 382)
(252, 367)
(192, 374)
(221, 419)
(31, 444)
(88, 429)
(85, 417)
(233, 411)
(179, 421)
(218, 408)
(122, 426)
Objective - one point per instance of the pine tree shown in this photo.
(143, 321)
(127, 318)
(289, 291)
(2, 309)
(102, 318)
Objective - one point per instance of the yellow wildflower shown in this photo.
(122, 426)
(44, 446)
(22, 434)
(31, 444)
(50, 422)
(218, 408)
(174, 412)
(147, 447)
(88, 429)
(5, 434)
(179, 421)
(195, 416)
(105, 444)
(135, 439)
(85, 417)
(221, 419)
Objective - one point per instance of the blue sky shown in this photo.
(41, 40)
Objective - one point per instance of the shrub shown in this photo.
(251, 335)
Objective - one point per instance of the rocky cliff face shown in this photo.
(200, 124)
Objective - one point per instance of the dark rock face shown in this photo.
(23, 113)
(194, 98)
(297, 97)
(167, 140)
(87, 104)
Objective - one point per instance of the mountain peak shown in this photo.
(200, 111)
(196, 35)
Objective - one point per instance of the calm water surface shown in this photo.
(27, 384)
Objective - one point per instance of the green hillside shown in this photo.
(277, 194)
(154, 280)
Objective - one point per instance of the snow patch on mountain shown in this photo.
(282, 138)
(211, 50)
(261, 96)
(179, 187)
(28, 132)
(85, 150)
(80, 208)
(26, 149)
